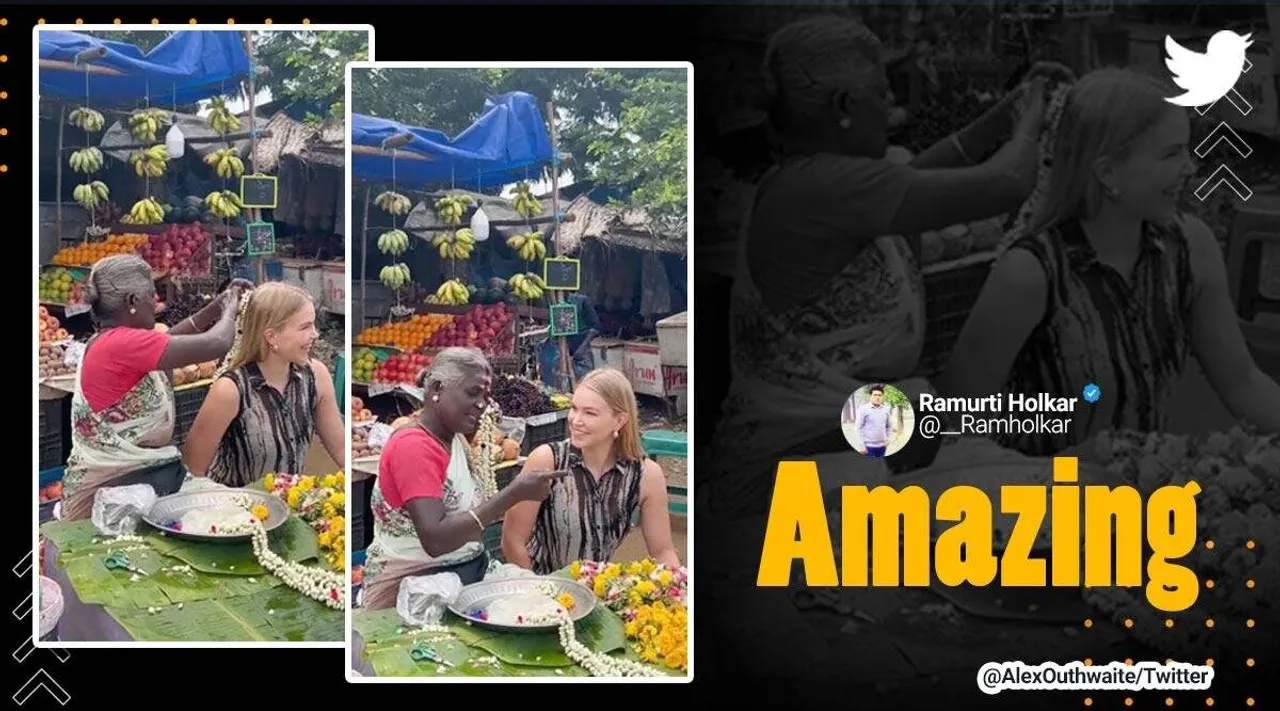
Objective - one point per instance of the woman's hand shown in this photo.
(534, 486)
(1031, 106)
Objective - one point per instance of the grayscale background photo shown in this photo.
(876, 202)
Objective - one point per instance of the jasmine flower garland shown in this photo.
(225, 365)
(482, 455)
(1048, 139)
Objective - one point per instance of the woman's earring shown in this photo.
(615, 434)
(133, 311)
(435, 398)
(1112, 193)
(846, 123)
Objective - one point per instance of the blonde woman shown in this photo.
(1111, 285)
(259, 416)
(589, 511)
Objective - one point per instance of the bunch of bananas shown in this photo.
(455, 245)
(393, 202)
(150, 162)
(145, 124)
(530, 247)
(147, 212)
(86, 160)
(527, 205)
(395, 276)
(451, 208)
(220, 118)
(87, 120)
(527, 286)
(226, 163)
(453, 293)
(90, 195)
(223, 203)
(393, 242)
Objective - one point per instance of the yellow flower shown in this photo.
(600, 586)
(338, 499)
(634, 569)
(259, 512)
(630, 629)
(676, 659)
(294, 497)
(634, 599)
(338, 523)
(269, 482)
(306, 483)
(664, 578)
(575, 569)
(647, 566)
(646, 588)
(642, 615)
(330, 481)
(340, 480)
(324, 538)
(566, 601)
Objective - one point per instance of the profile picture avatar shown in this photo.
(878, 420)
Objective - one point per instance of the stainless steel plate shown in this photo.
(172, 508)
(477, 597)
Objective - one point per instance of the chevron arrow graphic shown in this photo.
(1224, 134)
(1223, 176)
(41, 680)
(23, 609)
(24, 650)
(23, 566)
(1233, 97)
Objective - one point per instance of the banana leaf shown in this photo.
(378, 626)
(295, 541)
(95, 584)
(73, 538)
(601, 631)
(274, 615)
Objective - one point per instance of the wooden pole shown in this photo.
(255, 214)
(374, 151)
(61, 66)
(364, 258)
(57, 194)
(566, 363)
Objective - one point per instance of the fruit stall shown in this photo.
(157, 163)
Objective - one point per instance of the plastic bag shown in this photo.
(423, 600)
(117, 510)
(72, 353)
(513, 428)
(378, 435)
(505, 571)
(480, 225)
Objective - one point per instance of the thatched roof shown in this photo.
(318, 145)
(612, 226)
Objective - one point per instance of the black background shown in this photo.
(314, 678)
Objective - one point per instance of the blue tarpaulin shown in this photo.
(185, 68)
(505, 145)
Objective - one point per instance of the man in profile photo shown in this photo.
(873, 425)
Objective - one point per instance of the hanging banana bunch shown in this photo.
(527, 206)
(151, 162)
(223, 203)
(86, 160)
(87, 120)
(451, 208)
(147, 212)
(527, 286)
(91, 195)
(145, 125)
(530, 247)
(393, 203)
(452, 293)
(455, 245)
(226, 163)
(395, 276)
(220, 118)
(393, 242)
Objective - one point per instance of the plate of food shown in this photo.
(532, 604)
(216, 515)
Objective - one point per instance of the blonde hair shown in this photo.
(1105, 113)
(270, 308)
(614, 388)
(112, 280)
(808, 60)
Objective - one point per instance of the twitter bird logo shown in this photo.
(1206, 77)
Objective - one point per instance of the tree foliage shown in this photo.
(625, 130)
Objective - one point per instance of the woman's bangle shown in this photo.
(476, 518)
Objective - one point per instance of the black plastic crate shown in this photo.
(535, 435)
(186, 405)
(362, 513)
(55, 433)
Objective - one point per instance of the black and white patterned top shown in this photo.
(272, 430)
(584, 518)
